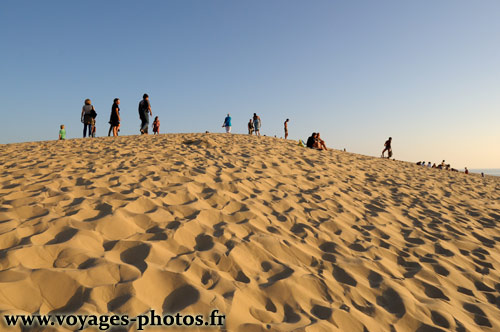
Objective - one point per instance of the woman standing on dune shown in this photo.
(114, 120)
(86, 117)
(256, 124)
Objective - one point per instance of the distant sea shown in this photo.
(487, 171)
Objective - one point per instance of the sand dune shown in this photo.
(275, 236)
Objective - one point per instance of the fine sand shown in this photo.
(275, 236)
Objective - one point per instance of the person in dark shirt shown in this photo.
(114, 119)
(387, 147)
(144, 113)
(311, 140)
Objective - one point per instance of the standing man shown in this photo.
(286, 128)
(256, 124)
(227, 123)
(144, 113)
(387, 148)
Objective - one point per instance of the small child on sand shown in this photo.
(62, 133)
(156, 126)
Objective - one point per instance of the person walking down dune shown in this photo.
(227, 123)
(256, 124)
(250, 127)
(114, 119)
(86, 117)
(286, 128)
(144, 113)
(388, 148)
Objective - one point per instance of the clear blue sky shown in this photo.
(426, 73)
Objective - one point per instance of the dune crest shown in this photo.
(275, 236)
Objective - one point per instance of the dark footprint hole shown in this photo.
(357, 247)
(63, 236)
(136, 255)
(343, 277)
(375, 279)
(91, 262)
(278, 276)
(241, 277)
(180, 299)
(109, 245)
(173, 225)
(321, 312)
(118, 302)
(392, 302)
(266, 266)
(439, 319)
(159, 237)
(434, 292)
(441, 270)
(204, 242)
(328, 247)
(428, 328)
(290, 316)
(270, 305)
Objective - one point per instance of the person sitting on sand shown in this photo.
(434, 165)
(429, 164)
(320, 144)
(466, 170)
(250, 127)
(387, 147)
(419, 163)
(156, 126)
(62, 133)
(311, 140)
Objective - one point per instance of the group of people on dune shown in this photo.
(89, 115)
(442, 165)
(315, 142)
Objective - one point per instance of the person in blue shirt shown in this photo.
(227, 123)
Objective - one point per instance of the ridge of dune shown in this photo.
(275, 236)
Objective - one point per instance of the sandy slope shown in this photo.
(277, 237)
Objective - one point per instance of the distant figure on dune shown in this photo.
(286, 128)
(156, 126)
(388, 148)
(144, 113)
(256, 124)
(250, 127)
(466, 170)
(62, 133)
(114, 119)
(227, 123)
(86, 117)
(429, 164)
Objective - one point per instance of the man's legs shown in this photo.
(145, 123)
(228, 129)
